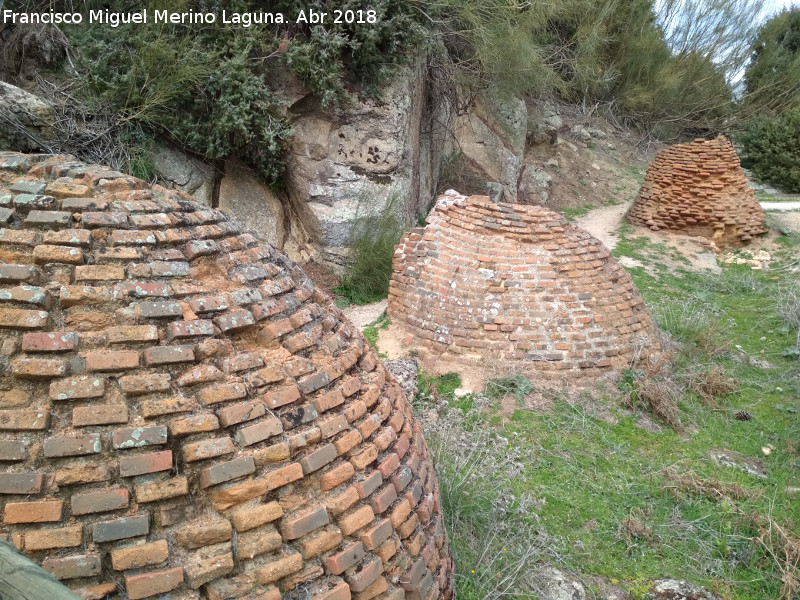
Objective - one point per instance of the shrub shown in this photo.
(372, 241)
(772, 149)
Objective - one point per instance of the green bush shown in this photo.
(372, 241)
(772, 149)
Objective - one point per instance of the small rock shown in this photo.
(461, 392)
(552, 584)
(675, 589)
(405, 371)
(729, 458)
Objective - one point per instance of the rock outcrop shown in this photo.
(182, 413)
(699, 189)
(517, 289)
(26, 121)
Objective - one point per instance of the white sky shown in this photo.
(774, 6)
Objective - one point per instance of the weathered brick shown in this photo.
(137, 437)
(328, 401)
(283, 476)
(111, 360)
(354, 521)
(234, 321)
(366, 575)
(332, 425)
(168, 355)
(200, 374)
(193, 424)
(141, 555)
(279, 568)
(68, 237)
(28, 294)
(73, 567)
(253, 434)
(132, 237)
(199, 533)
(347, 442)
(281, 396)
(13, 318)
(157, 408)
(197, 248)
(228, 471)
(142, 289)
(338, 563)
(45, 511)
(318, 458)
(13, 450)
(189, 329)
(241, 412)
(50, 539)
(78, 388)
(271, 454)
(222, 392)
(203, 570)
(369, 484)
(388, 465)
(101, 219)
(45, 255)
(161, 490)
(236, 494)
(245, 518)
(159, 309)
(340, 591)
(141, 464)
(49, 342)
(373, 537)
(383, 499)
(72, 445)
(120, 529)
(205, 449)
(99, 273)
(299, 524)
(15, 273)
(265, 376)
(311, 383)
(39, 368)
(208, 304)
(109, 414)
(261, 541)
(154, 583)
(367, 455)
(82, 473)
(126, 334)
(102, 501)
(24, 420)
(145, 383)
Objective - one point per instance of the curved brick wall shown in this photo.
(181, 411)
(516, 289)
(699, 189)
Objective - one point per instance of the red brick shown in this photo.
(189, 329)
(354, 521)
(110, 360)
(373, 537)
(241, 412)
(193, 424)
(279, 568)
(281, 396)
(101, 501)
(338, 563)
(347, 442)
(339, 592)
(157, 408)
(141, 555)
(227, 471)
(45, 511)
(50, 539)
(205, 569)
(336, 476)
(368, 573)
(141, 464)
(222, 392)
(138, 437)
(367, 455)
(99, 415)
(145, 383)
(127, 334)
(236, 494)
(152, 584)
(389, 465)
(70, 445)
(161, 490)
(384, 499)
(49, 342)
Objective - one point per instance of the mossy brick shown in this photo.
(227, 471)
(52, 539)
(49, 342)
(73, 567)
(256, 542)
(44, 511)
(24, 420)
(100, 501)
(245, 518)
(234, 320)
(15, 318)
(145, 383)
(197, 248)
(168, 355)
(140, 556)
(138, 437)
(27, 294)
(120, 529)
(206, 449)
(161, 490)
(189, 329)
(111, 360)
(78, 388)
(108, 414)
(338, 563)
(153, 583)
(159, 309)
(72, 445)
(245, 297)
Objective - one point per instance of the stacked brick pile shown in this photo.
(516, 289)
(183, 413)
(699, 189)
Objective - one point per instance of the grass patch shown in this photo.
(573, 212)
(372, 331)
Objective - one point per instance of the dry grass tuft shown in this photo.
(783, 547)
(711, 384)
(676, 484)
(633, 526)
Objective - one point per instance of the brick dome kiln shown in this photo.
(184, 414)
(699, 189)
(516, 289)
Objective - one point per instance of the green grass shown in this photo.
(372, 331)
(594, 470)
(573, 212)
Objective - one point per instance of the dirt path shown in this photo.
(781, 206)
(603, 222)
(361, 316)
